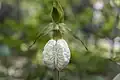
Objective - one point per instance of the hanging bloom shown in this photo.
(56, 54)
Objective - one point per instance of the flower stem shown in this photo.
(56, 75)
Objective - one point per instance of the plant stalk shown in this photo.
(56, 75)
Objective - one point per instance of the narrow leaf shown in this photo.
(44, 32)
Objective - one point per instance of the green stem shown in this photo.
(56, 75)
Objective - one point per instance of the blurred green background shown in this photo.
(95, 22)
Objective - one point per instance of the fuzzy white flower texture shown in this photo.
(56, 54)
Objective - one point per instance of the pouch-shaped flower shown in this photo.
(56, 54)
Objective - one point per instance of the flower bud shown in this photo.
(56, 54)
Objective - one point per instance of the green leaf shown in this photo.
(57, 12)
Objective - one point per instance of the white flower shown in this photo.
(56, 54)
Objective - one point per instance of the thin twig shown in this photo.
(40, 35)
(44, 32)
(80, 41)
(76, 37)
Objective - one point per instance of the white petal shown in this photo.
(48, 56)
(63, 54)
(56, 54)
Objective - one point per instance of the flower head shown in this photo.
(56, 54)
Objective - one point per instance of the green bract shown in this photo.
(58, 30)
(57, 13)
